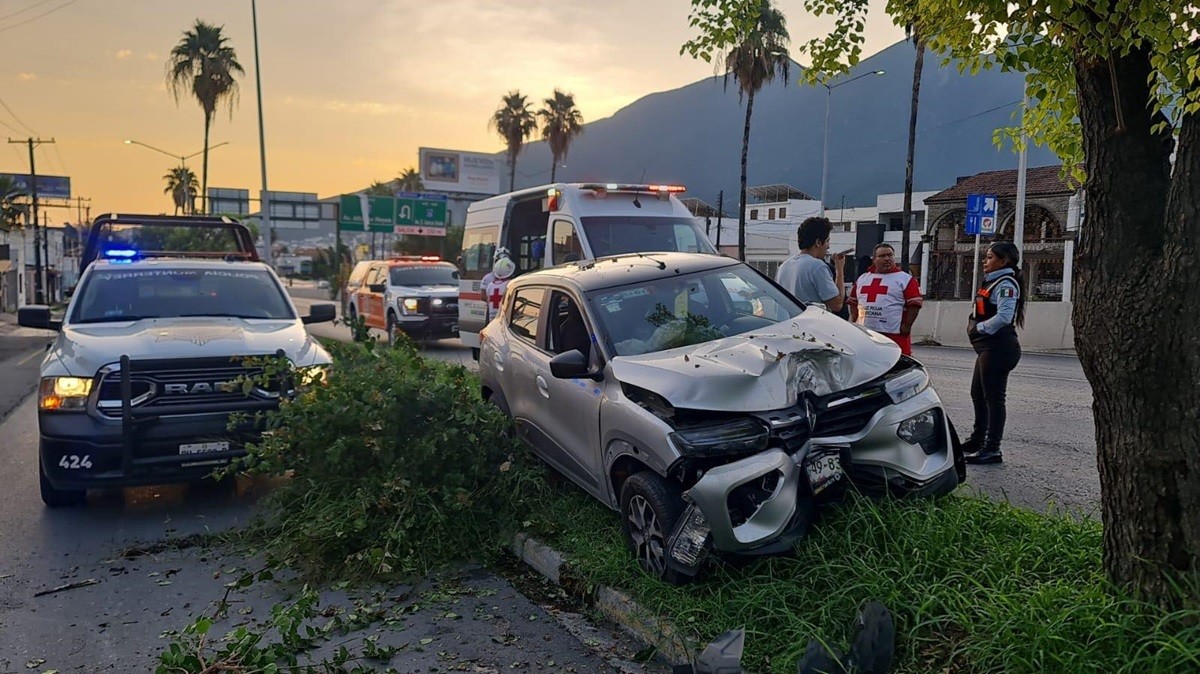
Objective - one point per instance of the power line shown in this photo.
(14, 116)
(22, 11)
(35, 18)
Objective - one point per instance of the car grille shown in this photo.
(447, 307)
(848, 413)
(789, 428)
(183, 386)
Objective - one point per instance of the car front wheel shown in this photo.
(650, 508)
(391, 328)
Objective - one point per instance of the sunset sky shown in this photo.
(351, 89)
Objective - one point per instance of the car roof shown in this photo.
(630, 268)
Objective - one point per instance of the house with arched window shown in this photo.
(1051, 220)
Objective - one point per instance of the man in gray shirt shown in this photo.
(807, 275)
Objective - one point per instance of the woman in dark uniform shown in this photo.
(999, 310)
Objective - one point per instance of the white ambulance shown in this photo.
(555, 224)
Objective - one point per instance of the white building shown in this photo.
(772, 221)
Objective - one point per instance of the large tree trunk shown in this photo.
(745, 156)
(918, 66)
(553, 167)
(512, 170)
(1136, 319)
(204, 180)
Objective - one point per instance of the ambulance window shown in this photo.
(526, 313)
(357, 276)
(566, 243)
(479, 246)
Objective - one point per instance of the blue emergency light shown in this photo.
(123, 253)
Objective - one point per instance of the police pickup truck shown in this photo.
(169, 318)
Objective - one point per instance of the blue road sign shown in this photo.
(48, 187)
(981, 214)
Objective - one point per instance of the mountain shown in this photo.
(692, 135)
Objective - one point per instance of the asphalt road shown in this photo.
(124, 588)
(1049, 448)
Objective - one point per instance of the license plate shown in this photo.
(203, 448)
(823, 470)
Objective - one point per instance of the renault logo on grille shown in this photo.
(200, 387)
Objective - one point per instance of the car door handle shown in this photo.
(543, 387)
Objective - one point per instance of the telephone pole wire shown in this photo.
(38, 284)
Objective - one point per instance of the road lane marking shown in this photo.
(28, 358)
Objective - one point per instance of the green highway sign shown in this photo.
(382, 213)
(405, 213)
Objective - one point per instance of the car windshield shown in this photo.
(433, 275)
(616, 235)
(114, 295)
(690, 309)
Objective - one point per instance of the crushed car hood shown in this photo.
(763, 369)
(85, 348)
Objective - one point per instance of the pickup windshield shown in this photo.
(616, 235)
(132, 294)
(693, 309)
(432, 275)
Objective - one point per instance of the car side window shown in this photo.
(566, 243)
(526, 312)
(568, 330)
(373, 277)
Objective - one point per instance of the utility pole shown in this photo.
(720, 214)
(46, 254)
(39, 295)
(265, 200)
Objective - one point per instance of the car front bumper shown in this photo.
(875, 460)
(79, 451)
(429, 327)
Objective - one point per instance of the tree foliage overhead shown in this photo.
(10, 211)
(515, 122)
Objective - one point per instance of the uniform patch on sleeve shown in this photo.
(1005, 291)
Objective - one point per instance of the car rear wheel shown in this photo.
(650, 508)
(58, 498)
(351, 320)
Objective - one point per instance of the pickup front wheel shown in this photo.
(58, 498)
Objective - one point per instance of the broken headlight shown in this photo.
(687, 545)
(907, 385)
(915, 430)
(735, 437)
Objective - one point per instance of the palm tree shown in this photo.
(561, 123)
(10, 211)
(515, 123)
(182, 186)
(204, 65)
(913, 33)
(757, 58)
(409, 180)
(382, 189)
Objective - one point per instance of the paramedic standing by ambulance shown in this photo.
(999, 311)
(886, 299)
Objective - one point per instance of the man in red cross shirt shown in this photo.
(886, 299)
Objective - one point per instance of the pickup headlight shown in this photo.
(313, 374)
(64, 393)
(408, 305)
(742, 435)
(907, 385)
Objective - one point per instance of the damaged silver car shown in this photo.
(704, 403)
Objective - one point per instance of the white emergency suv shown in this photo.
(550, 225)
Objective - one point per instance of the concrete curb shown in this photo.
(651, 631)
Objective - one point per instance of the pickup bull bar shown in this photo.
(132, 420)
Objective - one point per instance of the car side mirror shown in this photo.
(571, 365)
(377, 287)
(37, 316)
(320, 313)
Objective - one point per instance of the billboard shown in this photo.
(48, 187)
(456, 171)
(228, 200)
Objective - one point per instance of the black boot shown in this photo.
(973, 444)
(989, 451)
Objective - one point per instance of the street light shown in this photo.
(825, 154)
(182, 160)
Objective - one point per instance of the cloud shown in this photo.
(151, 56)
(26, 77)
(124, 53)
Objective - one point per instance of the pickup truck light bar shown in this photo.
(94, 246)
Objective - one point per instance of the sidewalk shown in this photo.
(9, 328)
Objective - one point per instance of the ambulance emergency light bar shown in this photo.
(600, 190)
